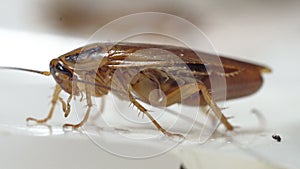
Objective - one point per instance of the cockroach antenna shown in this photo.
(46, 73)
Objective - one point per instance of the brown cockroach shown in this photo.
(91, 71)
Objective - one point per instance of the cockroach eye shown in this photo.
(60, 67)
(63, 70)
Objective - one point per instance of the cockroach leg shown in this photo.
(68, 109)
(87, 113)
(55, 97)
(101, 110)
(63, 104)
(82, 97)
(66, 106)
(208, 99)
(144, 111)
(206, 111)
(190, 89)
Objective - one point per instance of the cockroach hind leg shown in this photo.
(224, 108)
(207, 97)
(226, 123)
(230, 117)
(157, 125)
(205, 109)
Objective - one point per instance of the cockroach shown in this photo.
(90, 71)
(276, 137)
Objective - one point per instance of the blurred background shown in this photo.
(268, 32)
(259, 24)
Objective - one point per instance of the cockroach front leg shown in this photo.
(55, 97)
(87, 113)
(66, 106)
(144, 110)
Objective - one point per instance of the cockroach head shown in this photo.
(63, 76)
(57, 68)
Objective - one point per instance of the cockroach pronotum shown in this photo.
(89, 71)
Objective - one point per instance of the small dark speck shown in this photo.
(182, 166)
(276, 137)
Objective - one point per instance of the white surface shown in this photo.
(262, 33)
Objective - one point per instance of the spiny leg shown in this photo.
(188, 90)
(207, 97)
(144, 110)
(143, 79)
(55, 97)
(87, 113)
(206, 110)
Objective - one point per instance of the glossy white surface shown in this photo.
(253, 32)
